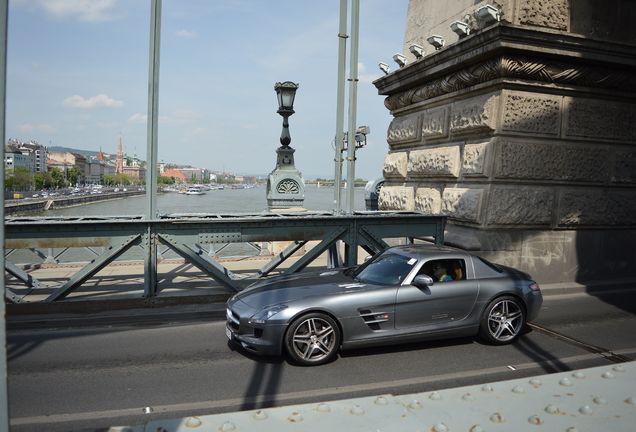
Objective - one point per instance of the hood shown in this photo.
(283, 289)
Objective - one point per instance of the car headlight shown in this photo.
(266, 313)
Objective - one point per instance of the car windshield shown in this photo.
(387, 269)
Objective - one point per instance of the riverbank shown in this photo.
(43, 204)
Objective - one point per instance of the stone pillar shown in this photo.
(285, 184)
(523, 132)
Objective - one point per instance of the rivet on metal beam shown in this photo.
(585, 409)
(631, 400)
(608, 375)
(435, 396)
(487, 388)
(440, 427)
(497, 418)
(518, 389)
(535, 383)
(468, 397)
(578, 375)
(618, 368)
(295, 417)
(535, 420)
(260, 415)
(193, 422)
(599, 400)
(357, 410)
(552, 409)
(565, 382)
(381, 400)
(227, 427)
(415, 404)
(323, 408)
(477, 428)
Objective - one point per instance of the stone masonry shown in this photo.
(523, 133)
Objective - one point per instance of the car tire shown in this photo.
(502, 321)
(312, 339)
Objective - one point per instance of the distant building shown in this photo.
(195, 175)
(179, 176)
(72, 159)
(34, 155)
(13, 158)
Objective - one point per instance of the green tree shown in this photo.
(23, 178)
(43, 180)
(74, 175)
(164, 180)
(58, 178)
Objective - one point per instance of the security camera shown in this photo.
(488, 14)
(437, 41)
(400, 60)
(417, 51)
(364, 130)
(384, 68)
(461, 28)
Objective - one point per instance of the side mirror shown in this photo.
(367, 258)
(422, 281)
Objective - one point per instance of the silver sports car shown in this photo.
(407, 293)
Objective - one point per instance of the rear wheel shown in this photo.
(502, 321)
(312, 339)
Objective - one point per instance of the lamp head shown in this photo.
(400, 60)
(417, 51)
(286, 92)
(384, 68)
(437, 41)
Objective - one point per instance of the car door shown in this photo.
(440, 303)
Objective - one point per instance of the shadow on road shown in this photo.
(264, 383)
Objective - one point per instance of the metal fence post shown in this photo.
(4, 403)
(150, 264)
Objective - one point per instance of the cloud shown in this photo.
(364, 76)
(101, 100)
(40, 127)
(185, 34)
(82, 10)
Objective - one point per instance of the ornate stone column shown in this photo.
(522, 132)
(285, 184)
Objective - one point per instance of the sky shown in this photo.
(77, 76)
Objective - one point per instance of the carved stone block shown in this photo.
(545, 13)
(462, 203)
(474, 162)
(404, 129)
(428, 200)
(442, 161)
(588, 118)
(532, 114)
(474, 114)
(550, 161)
(597, 207)
(434, 123)
(624, 167)
(520, 206)
(396, 198)
(395, 165)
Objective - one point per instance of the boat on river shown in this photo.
(195, 190)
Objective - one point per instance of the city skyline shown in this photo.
(80, 80)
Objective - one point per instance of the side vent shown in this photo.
(374, 319)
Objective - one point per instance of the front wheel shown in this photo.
(312, 339)
(502, 321)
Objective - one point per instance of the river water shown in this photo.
(215, 201)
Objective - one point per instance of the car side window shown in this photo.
(445, 270)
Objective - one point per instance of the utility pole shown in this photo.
(342, 60)
(353, 103)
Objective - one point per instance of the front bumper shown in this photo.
(263, 339)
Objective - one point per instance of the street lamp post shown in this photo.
(285, 185)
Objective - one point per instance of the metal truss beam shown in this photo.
(200, 259)
(316, 251)
(92, 268)
(281, 257)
